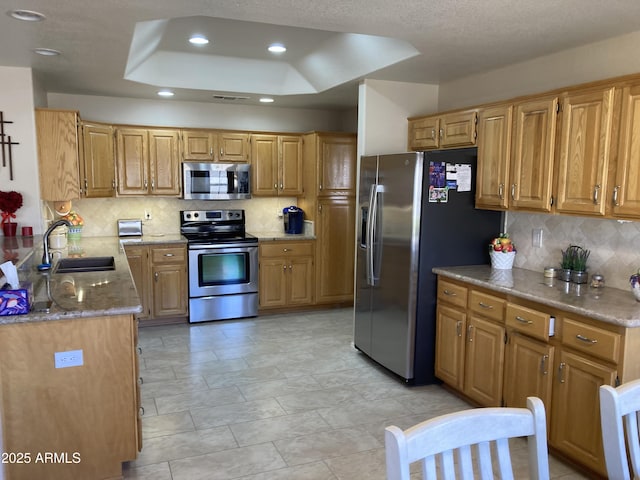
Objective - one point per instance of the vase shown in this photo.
(502, 260)
(74, 233)
(579, 276)
(565, 274)
(9, 229)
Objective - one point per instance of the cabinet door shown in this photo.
(335, 250)
(575, 429)
(532, 154)
(198, 145)
(494, 142)
(451, 325)
(424, 133)
(484, 362)
(132, 154)
(233, 147)
(169, 290)
(98, 161)
(138, 259)
(164, 162)
(458, 129)
(337, 167)
(626, 190)
(300, 281)
(528, 372)
(273, 282)
(264, 165)
(584, 152)
(58, 161)
(290, 165)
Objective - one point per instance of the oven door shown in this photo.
(222, 270)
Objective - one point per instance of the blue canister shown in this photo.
(293, 220)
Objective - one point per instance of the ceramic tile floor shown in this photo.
(283, 397)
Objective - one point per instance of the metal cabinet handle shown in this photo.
(486, 306)
(169, 255)
(290, 267)
(450, 293)
(513, 191)
(596, 192)
(140, 380)
(285, 250)
(113, 184)
(561, 372)
(433, 134)
(221, 152)
(459, 328)
(139, 350)
(275, 185)
(211, 152)
(146, 184)
(284, 267)
(155, 275)
(582, 338)
(141, 411)
(523, 320)
(543, 365)
(320, 187)
(470, 333)
(501, 191)
(615, 195)
(441, 133)
(153, 184)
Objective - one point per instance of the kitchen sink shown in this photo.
(85, 264)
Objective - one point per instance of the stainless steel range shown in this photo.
(223, 265)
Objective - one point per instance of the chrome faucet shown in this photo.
(46, 258)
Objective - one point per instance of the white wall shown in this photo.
(197, 115)
(17, 105)
(383, 109)
(609, 58)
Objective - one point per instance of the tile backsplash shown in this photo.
(614, 245)
(101, 214)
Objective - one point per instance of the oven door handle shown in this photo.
(222, 247)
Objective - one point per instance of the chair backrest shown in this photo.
(619, 409)
(453, 441)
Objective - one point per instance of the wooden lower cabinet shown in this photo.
(160, 275)
(286, 274)
(86, 415)
(559, 357)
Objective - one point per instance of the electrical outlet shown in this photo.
(536, 237)
(147, 214)
(72, 358)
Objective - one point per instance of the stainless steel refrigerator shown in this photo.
(415, 213)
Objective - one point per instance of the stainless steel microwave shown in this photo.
(216, 181)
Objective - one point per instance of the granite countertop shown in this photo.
(271, 236)
(78, 295)
(607, 304)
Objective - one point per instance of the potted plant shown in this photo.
(10, 202)
(579, 270)
(566, 264)
(502, 252)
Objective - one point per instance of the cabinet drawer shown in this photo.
(168, 254)
(528, 321)
(487, 305)
(592, 340)
(279, 249)
(452, 293)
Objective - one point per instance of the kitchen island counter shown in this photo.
(610, 305)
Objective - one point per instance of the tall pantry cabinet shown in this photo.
(328, 200)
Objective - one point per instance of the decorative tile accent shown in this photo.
(614, 244)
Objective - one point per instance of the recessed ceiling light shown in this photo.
(26, 15)
(165, 93)
(267, 100)
(198, 40)
(46, 52)
(277, 48)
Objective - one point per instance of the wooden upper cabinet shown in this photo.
(424, 133)
(276, 163)
(494, 142)
(164, 162)
(148, 161)
(199, 145)
(337, 165)
(215, 146)
(97, 166)
(532, 153)
(583, 160)
(443, 131)
(233, 147)
(624, 194)
(58, 154)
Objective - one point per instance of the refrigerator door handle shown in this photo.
(373, 227)
(368, 243)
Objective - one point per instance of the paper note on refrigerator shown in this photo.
(463, 177)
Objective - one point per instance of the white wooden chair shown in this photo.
(619, 409)
(454, 436)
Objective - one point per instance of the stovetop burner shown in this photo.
(202, 227)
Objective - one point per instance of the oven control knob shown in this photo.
(196, 215)
(187, 215)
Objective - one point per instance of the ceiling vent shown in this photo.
(229, 97)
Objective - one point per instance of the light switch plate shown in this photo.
(72, 358)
